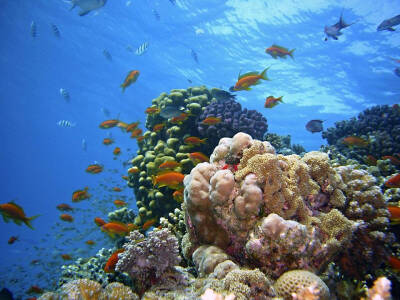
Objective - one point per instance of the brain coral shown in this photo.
(270, 211)
(233, 120)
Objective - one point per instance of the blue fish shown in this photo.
(33, 29)
(194, 56)
(334, 30)
(87, 5)
(389, 23)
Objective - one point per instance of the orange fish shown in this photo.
(123, 125)
(172, 180)
(90, 242)
(152, 110)
(178, 196)
(66, 217)
(277, 51)
(136, 132)
(271, 101)
(115, 228)
(211, 121)
(140, 138)
(179, 119)
(112, 261)
(169, 165)
(124, 177)
(119, 202)
(117, 189)
(193, 140)
(80, 195)
(393, 182)
(392, 159)
(394, 214)
(355, 141)
(148, 224)
(249, 79)
(158, 127)
(12, 240)
(129, 79)
(64, 207)
(35, 289)
(16, 213)
(108, 124)
(133, 170)
(117, 151)
(99, 221)
(394, 262)
(66, 256)
(198, 156)
(370, 160)
(108, 141)
(94, 169)
(132, 126)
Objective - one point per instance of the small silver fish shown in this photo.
(156, 14)
(64, 93)
(56, 31)
(65, 123)
(107, 55)
(33, 29)
(142, 48)
(84, 145)
(87, 5)
(194, 56)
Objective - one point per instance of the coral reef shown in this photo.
(232, 120)
(93, 269)
(293, 282)
(282, 144)
(124, 215)
(145, 259)
(280, 213)
(378, 125)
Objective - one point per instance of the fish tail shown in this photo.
(27, 221)
(280, 99)
(123, 87)
(264, 74)
(291, 53)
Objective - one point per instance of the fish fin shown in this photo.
(248, 89)
(28, 221)
(84, 12)
(291, 53)
(5, 218)
(123, 87)
(264, 74)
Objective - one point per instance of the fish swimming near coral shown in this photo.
(55, 30)
(65, 123)
(245, 81)
(355, 141)
(142, 48)
(129, 79)
(115, 228)
(394, 214)
(211, 121)
(119, 203)
(64, 207)
(198, 157)
(314, 126)
(66, 218)
(271, 101)
(278, 51)
(117, 151)
(107, 55)
(112, 261)
(16, 213)
(334, 30)
(64, 93)
(170, 164)
(179, 119)
(171, 111)
(393, 182)
(87, 5)
(152, 110)
(94, 169)
(108, 141)
(33, 29)
(173, 180)
(80, 195)
(194, 141)
(99, 221)
(388, 24)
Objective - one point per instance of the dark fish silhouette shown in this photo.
(156, 14)
(389, 23)
(33, 29)
(314, 126)
(194, 56)
(397, 71)
(56, 31)
(107, 55)
(5, 294)
(334, 30)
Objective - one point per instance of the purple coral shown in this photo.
(145, 259)
(233, 120)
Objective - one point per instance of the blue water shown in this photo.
(42, 163)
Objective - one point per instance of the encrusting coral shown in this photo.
(275, 212)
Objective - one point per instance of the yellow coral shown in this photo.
(292, 282)
(117, 291)
(81, 289)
